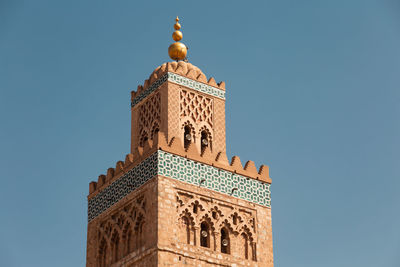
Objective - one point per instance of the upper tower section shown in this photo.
(178, 100)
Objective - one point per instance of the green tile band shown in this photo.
(181, 80)
(213, 178)
(182, 169)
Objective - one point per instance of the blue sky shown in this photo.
(312, 91)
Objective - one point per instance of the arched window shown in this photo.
(127, 239)
(204, 235)
(154, 130)
(143, 138)
(186, 230)
(254, 251)
(245, 246)
(103, 253)
(225, 244)
(187, 136)
(115, 247)
(205, 140)
(129, 242)
(139, 232)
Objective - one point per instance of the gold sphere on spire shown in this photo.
(177, 26)
(177, 51)
(177, 36)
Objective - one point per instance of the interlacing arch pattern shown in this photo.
(216, 225)
(149, 116)
(197, 107)
(121, 233)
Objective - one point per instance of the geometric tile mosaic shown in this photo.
(226, 182)
(149, 90)
(178, 79)
(185, 170)
(121, 187)
(195, 85)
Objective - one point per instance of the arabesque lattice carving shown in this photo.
(149, 116)
(121, 233)
(196, 107)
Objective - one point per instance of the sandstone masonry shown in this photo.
(176, 200)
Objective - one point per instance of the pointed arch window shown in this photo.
(186, 229)
(245, 246)
(103, 253)
(204, 235)
(225, 242)
(115, 247)
(254, 251)
(187, 136)
(143, 138)
(204, 140)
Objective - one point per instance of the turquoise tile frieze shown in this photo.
(120, 188)
(213, 178)
(192, 84)
(185, 170)
(178, 79)
(149, 90)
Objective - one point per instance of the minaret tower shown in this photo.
(176, 200)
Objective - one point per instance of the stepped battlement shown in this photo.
(174, 146)
(181, 68)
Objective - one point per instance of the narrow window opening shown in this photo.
(187, 136)
(245, 246)
(204, 140)
(115, 250)
(187, 229)
(225, 246)
(195, 208)
(214, 215)
(143, 139)
(204, 235)
(254, 248)
(129, 242)
(103, 253)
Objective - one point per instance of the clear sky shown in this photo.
(312, 91)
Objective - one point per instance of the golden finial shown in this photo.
(177, 51)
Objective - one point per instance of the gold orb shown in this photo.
(177, 36)
(177, 26)
(177, 51)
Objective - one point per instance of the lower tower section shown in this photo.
(201, 227)
(171, 206)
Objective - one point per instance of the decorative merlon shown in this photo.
(169, 159)
(181, 73)
(185, 170)
(174, 146)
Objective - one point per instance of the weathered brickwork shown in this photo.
(176, 199)
(165, 217)
(174, 128)
(219, 129)
(184, 209)
(124, 234)
(191, 101)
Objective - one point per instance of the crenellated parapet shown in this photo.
(175, 147)
(182, 73)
